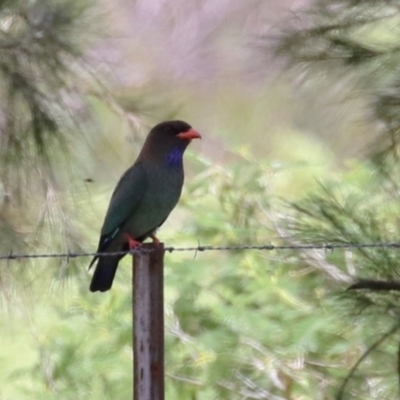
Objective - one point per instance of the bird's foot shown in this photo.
(132, 243)
(156, 242)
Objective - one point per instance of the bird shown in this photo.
(143, 198)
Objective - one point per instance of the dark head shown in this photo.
(167, 142)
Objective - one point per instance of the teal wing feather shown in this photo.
(125, 198)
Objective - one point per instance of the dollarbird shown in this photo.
(143, 198)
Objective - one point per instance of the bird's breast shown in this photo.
(164, 186)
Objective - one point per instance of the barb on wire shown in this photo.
(198, 248)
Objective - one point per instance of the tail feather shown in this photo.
(104, 273)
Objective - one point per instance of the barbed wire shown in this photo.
(199, 248)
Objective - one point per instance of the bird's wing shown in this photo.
(125, 198)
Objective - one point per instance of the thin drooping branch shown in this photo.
(370, 349)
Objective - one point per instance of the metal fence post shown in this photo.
(148, 323)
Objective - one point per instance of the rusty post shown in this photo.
(148, 323)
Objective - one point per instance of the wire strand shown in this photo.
(199, 248)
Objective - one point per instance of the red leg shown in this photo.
(156, 242)
(133, 244)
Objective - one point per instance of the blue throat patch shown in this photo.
(175, 157)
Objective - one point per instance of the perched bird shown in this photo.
(143, 198)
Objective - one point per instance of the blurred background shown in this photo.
(297, 102)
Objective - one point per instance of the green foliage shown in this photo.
(240, 324)
(356, 42)
(43, 112)
(40, 53)
(355, 46)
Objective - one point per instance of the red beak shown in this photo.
(189, 135)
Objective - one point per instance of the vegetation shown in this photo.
(309, 157)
